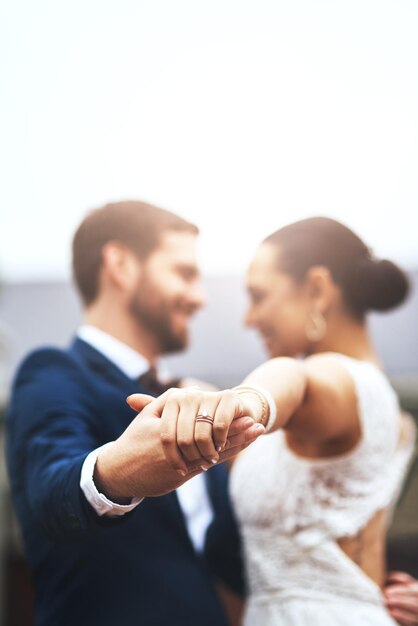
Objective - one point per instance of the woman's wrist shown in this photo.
(254, 402)
(260, 403)
(251, 405)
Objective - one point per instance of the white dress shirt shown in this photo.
(193, 497)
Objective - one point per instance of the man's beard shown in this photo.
(155, 315)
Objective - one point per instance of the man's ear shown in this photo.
(321, 288)
(120, 265)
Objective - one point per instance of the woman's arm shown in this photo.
(315, 398)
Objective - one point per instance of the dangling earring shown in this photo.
(316, 326)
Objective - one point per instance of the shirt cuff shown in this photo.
(99, 502)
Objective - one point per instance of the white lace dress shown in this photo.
(292, 511)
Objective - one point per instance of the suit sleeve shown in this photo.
(52, 427)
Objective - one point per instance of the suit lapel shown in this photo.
(100, 365)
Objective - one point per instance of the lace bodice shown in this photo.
(292, 510)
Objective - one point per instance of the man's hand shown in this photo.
(135, 465)
(401, 597)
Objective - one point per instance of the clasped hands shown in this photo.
(201, 428)
(165, 444)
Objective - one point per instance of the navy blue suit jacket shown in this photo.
(140, 569)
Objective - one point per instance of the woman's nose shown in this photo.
(249, 318)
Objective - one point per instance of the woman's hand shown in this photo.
(200, 428)
(401, 597)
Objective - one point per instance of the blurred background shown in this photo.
(240, 116)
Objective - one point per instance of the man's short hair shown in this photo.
(135, 224)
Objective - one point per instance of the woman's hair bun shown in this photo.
(378, 285)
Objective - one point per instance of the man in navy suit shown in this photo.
(81, 463)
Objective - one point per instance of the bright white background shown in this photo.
(240, 115)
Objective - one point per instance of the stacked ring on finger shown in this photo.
(204, 417)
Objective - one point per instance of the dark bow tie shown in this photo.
(153, 385)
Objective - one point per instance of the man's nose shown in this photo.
(197, 296)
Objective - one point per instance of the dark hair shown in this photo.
(367, 283)
(137, 225)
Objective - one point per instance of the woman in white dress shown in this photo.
(314, 495)
(326, 496)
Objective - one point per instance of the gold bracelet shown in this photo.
(265, 414)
